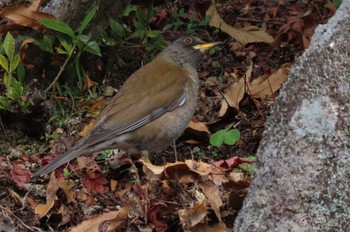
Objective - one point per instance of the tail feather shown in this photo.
(69, 155)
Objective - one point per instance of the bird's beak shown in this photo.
(206, 46)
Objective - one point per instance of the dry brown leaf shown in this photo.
(203, 168)
(234, 93)
(66, 214)
(219, 227)
(16, 196)
(264, 88)
(192, 216)
(67, 186)
(116, 217)
(114, 184)
(86, 131)
(224, 108)
(24, 16)
(244, 35)
(52, 187)
(212, 193)
(199, 126)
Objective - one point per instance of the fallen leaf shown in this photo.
(264, 87)
(20, 174)
(92, 224)
(193, 215)
(95, 182)
(218, 227)
(244, 35)
(160, 225)
(16, 196)
(212, 193)
(25, 16)
(67, 186)
(52, 187)
(199, 126)
(234, 93)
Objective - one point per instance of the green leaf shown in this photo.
(129, 9)
(232, 136)
(7, 79)
(117, 28)
(168, 26)
(47, 44)
(89, 46)
(217, 138)
(58, 26)
(4, 103)
(9, 46)
(4, 63)
(140, 16)
(93, 48)
(152, 34)
(15, 91)
(87, 19)
(247, 167)
(66, 42)
(15, 63)
(21, 73)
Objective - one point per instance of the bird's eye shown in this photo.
(188, 40)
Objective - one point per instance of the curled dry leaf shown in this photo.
(192, 216)
(244, 35)
(52, 187)
(117, 219)
(212, 193)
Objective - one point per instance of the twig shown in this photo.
(257, 21)
(9, 211)
(63, 67)
(3, 128)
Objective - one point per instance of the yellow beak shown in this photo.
(206, 46)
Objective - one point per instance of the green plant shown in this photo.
(191, 27)
(73, 43)
(226, 136)
(13, 75)
(336, 4)
(140, 31)
(197, 151)
(104, 155)
(246, 167)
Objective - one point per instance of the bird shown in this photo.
(152, 108)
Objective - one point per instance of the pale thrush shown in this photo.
(152, 108)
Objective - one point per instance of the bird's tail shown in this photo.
(69, 155)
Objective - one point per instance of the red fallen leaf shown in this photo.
(94, 182)
(20, 174)
(152, 214)
(59, 171)
(231, 162)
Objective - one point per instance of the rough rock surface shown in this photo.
(302, 175)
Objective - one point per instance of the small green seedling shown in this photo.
(227, 136)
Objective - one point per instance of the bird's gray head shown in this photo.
(188, 50)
